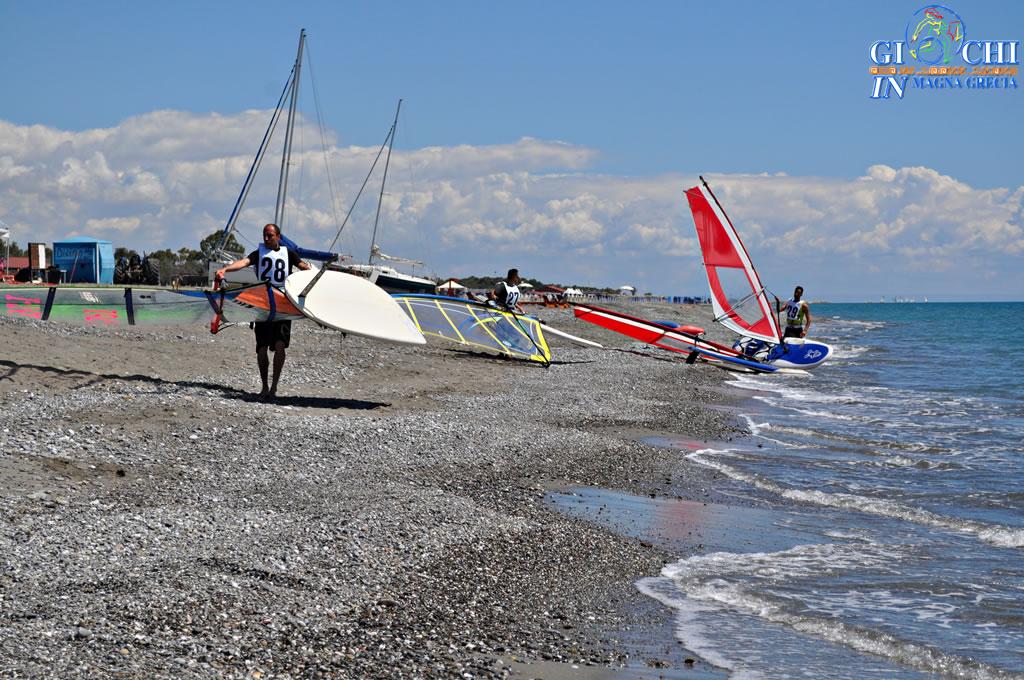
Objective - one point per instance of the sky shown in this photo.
(554, 137)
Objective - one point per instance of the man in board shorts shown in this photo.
(273, 263)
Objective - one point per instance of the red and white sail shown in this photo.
(737, 295)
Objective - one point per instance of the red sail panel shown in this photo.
(737, 295)
(715, 245)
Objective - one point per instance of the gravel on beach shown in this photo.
(385, 517)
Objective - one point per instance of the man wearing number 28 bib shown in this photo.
(273, 263)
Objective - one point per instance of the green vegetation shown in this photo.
(487, 282)
(185, 263)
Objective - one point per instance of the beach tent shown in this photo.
(85, 260)
(627, 290)
(573, 292)
(450, 287)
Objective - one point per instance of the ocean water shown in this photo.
(904, 554)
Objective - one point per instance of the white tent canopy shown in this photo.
(450, 284)
(573, 291)
(524, 284)
(627, 290)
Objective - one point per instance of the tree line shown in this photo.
(184, 264)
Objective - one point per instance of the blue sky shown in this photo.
(625, 103)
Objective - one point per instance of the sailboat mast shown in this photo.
(384, 177)
(286, 155)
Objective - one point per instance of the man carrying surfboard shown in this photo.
(273, 263)
(506, 293)
(798, 315)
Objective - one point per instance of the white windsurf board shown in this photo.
(351, 304)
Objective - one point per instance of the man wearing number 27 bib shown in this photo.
(273, 263)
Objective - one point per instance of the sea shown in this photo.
(885, 530)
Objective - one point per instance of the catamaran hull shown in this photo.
(391, 281)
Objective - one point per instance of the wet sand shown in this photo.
(398, 512)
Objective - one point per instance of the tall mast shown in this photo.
(286, 155)
(387, 162)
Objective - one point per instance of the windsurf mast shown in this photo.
(383, 179)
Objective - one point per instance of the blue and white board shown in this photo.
(799, 353)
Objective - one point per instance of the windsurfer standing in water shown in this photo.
(798, 315)
(506, 293)
(273, 263)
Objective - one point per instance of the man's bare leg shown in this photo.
(263, 361)
(279, 357)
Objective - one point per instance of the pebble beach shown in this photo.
(388, 516)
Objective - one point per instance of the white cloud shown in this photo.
(167, 179)
(121, 225)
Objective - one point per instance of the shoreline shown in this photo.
(388, 513)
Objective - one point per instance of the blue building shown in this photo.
(85, 260)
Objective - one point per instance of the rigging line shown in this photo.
(361, 188)
(383, 179)
(309, 286)
(302, 175)
(253, 168)
(409, 130)
(323, 136)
